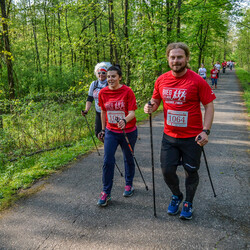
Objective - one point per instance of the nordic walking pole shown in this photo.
(92, 135)
(152, 159)
(132, 152)
(96, 145)
(205, 158)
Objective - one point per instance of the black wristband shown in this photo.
(125, 121)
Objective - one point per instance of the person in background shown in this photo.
(231, 64)
(214, 77)
(182, 91)
(117, 101)
(224, 65)
(202, 72)
(94, 89)
(218, 66)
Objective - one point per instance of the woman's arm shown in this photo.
(128, 118)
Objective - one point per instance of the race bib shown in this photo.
(112, 115)
(177, 118)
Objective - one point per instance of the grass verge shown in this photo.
(22, 174)
(244, 77)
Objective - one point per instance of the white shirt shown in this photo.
(217, 65)
(202, 72)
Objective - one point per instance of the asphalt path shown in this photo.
(63, 214)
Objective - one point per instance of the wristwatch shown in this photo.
(207, 131)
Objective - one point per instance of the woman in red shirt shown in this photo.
(117, 101)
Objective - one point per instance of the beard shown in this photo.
(179, 70)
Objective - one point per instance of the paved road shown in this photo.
(64, 215)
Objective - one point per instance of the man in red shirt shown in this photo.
(224, 65)
(182, 91)
(214, 77)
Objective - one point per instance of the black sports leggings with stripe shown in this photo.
(176, 151)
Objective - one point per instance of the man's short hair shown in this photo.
(178, 45)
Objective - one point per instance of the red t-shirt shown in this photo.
(181, 101)
(117, 103)
(214, 73)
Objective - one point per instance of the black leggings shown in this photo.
(172, 151)
(98, 123)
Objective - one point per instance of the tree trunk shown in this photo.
(96, 38)
(47, 37)
(60, 42)
(35, 41)
(103, 44)
(169, 22)
(113, 50)
(127, 54)
(178, 25)
(7, 50)
(70, 41)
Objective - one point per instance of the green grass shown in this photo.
(23, 173)
(244, 77)
(26, 171)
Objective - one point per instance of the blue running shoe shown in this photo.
(129, 191)
(186, 212)
(173, 207)
(103, 199)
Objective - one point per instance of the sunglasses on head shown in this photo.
(102, 72)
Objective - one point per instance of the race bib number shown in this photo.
(177, 118)
(113, 115)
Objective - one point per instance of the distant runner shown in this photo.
(182, 91)
(224, 65)
(217, 65)
(203, 72)
(214, 77)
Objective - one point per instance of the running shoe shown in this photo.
(186, 213)
(103, 199)
(129, 191)
(173, 207)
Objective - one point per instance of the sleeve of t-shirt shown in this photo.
(156, 92)
(132, 100)
(100, 101)
(205, 92)
(91, 88)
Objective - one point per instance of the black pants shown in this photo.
(98, 123)
(186, 151)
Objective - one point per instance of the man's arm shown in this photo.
(148, 109)
(208, 120)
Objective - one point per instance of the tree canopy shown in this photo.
(52, 45)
